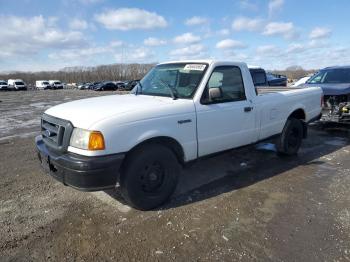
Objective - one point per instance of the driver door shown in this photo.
(226, 122)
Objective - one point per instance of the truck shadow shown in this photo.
(239, 168)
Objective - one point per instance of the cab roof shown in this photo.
(203, 61)
(337, 67)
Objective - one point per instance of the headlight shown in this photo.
(87, 140)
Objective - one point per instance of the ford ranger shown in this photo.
(179, 112)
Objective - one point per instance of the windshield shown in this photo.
(331, 76)
(57, 83)
(178, 80)
(45, 83)
(19, 83)
(3, 83)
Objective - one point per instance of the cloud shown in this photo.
(275, 6)
(296, 48)
(139, 55)
(118, 50)
(84, 54)
(116, 43)
(130, 18)
(317, 44)
(224, 32)
(248, 5)
(52, 21)
(248, 24)
(233, 56)
(230, 44)
(73, 54)
(27, 36)
(189, 52)
(286, 30)
(196, 20)
(186, 38)
(152, 41)
(320, 32)
(266, 49)
(78, 24)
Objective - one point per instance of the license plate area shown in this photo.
(46, 164)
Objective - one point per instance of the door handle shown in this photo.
(248, 109)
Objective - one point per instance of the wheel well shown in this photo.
(298, 114)
(169, 142)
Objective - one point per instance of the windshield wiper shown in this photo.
(172, 93)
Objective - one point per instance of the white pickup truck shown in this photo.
(179, 112)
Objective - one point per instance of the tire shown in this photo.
(149, 176)
(289, 141)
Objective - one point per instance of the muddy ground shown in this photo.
(246, 204)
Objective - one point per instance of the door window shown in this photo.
(229, 80)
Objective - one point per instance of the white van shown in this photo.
(3, 85)
(42, 84)
(56, 84)
(16, 84)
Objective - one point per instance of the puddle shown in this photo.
(266, 146)
(336, 141)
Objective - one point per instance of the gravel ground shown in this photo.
(246, 204)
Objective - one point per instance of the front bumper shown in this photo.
(80, 172)
(21, 88)
(328, 117)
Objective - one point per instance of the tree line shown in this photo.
(295, 72)
(114, 72)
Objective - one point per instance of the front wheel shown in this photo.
(149, 176)
(290, 140)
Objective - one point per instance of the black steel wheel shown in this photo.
(149, 176)
(290, 140)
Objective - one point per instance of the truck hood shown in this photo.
(86, 112)
(332, 89)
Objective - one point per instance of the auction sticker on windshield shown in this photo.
(198, 67)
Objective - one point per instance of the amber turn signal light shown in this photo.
(96, 141)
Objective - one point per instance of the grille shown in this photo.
(56, 132)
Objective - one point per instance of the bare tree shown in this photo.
(114, 72)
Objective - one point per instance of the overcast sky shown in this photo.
(275, 34)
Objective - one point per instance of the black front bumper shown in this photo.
(80, 172)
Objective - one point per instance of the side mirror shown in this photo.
(215, 93)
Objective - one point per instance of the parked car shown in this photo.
(120, 85)
(3, 85)
(335, 83)
(16, 84)
(56, 84)
(181, 111)
(131, 84)
(276, 80)
(42, 84)
(105, 86)
(261, 78)
(80, 85)
(92, 85)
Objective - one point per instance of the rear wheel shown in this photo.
(290, 140)
(149, 176)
